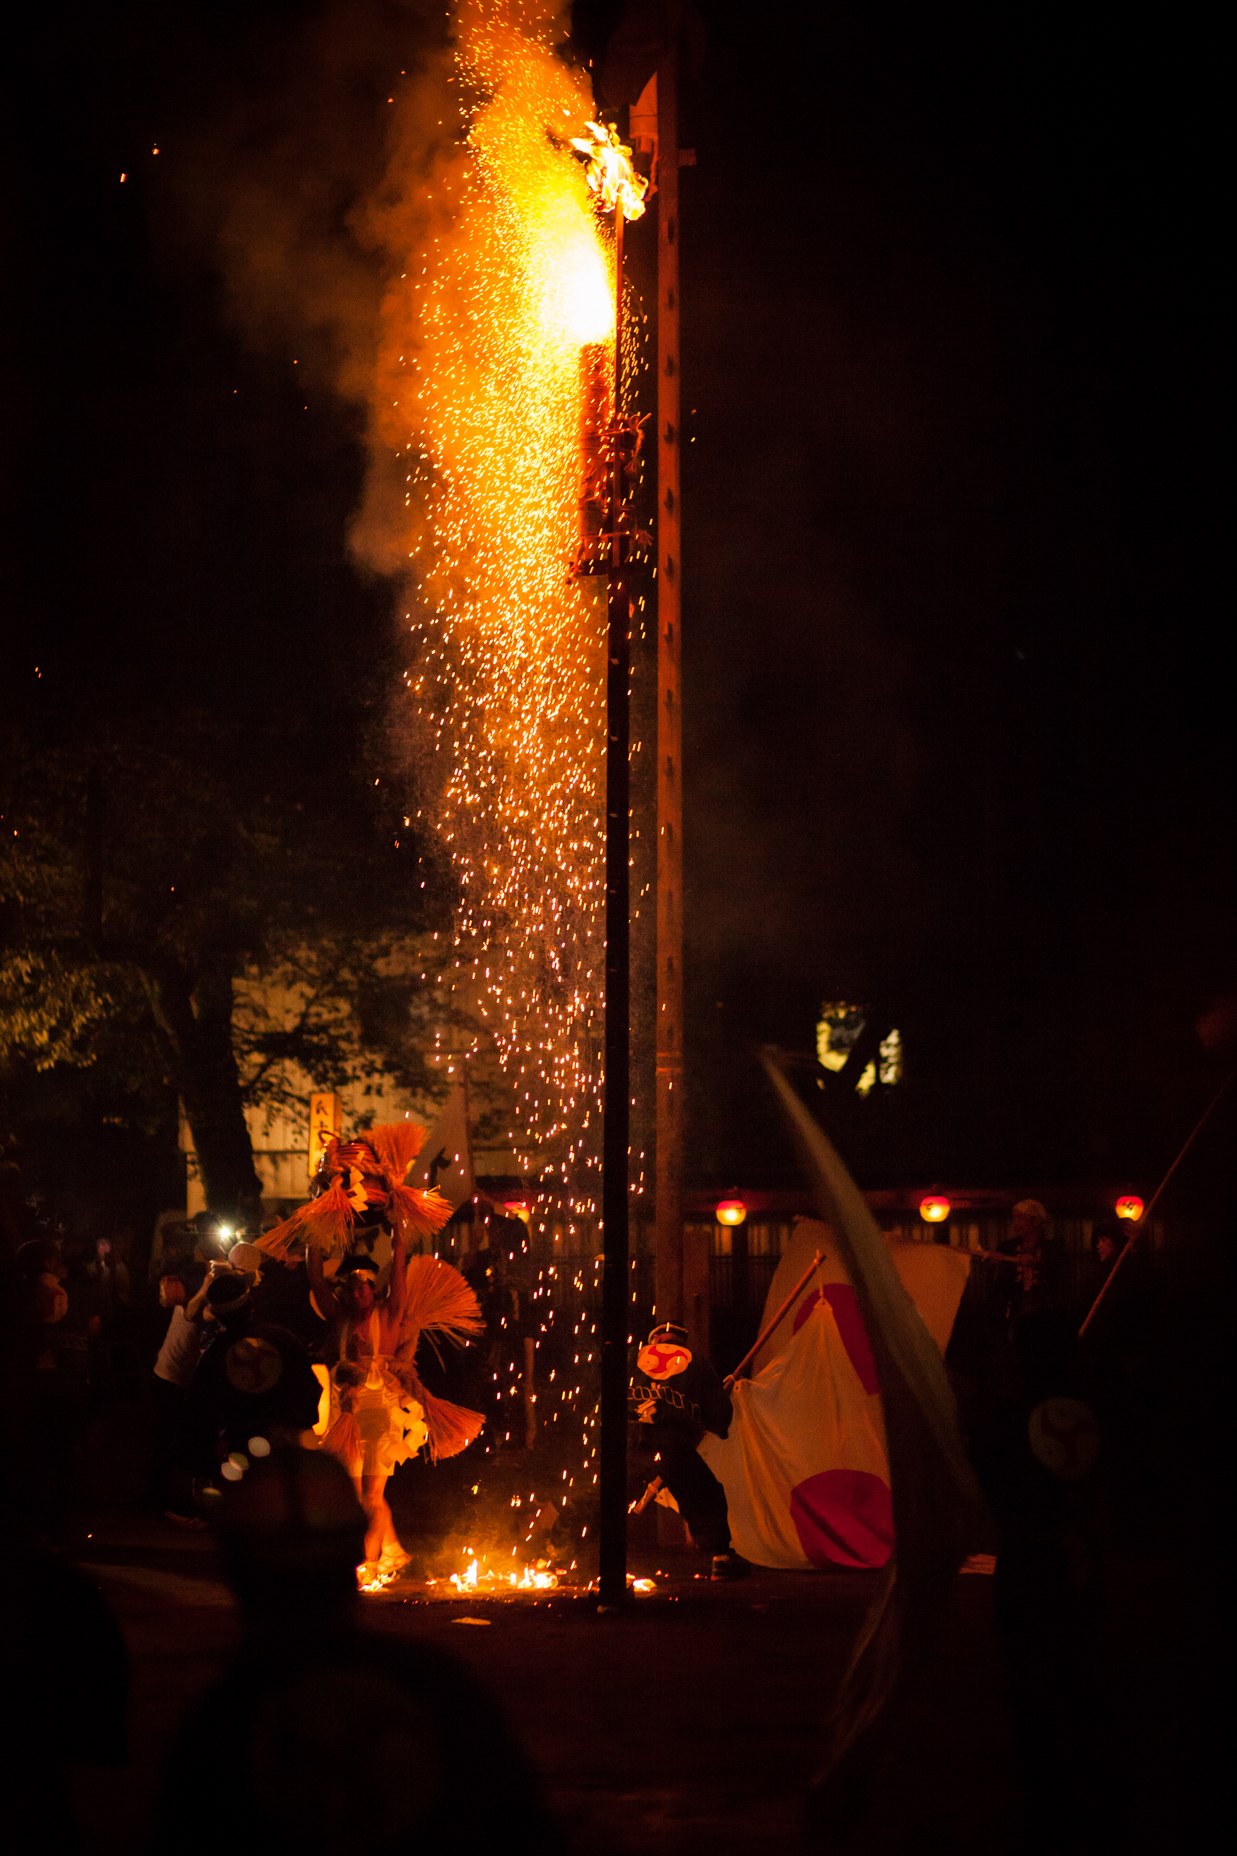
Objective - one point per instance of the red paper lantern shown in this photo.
(731, 1211)
(1131, 1207)
(934, 1209)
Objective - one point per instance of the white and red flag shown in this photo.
(805, 1465)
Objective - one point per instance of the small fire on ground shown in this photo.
(475, 1578)
(376, 1581)
(485, 1580)
(538, 1578)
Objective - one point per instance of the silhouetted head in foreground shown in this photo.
(291, 1534)
(354, 1742)
(227, 1298)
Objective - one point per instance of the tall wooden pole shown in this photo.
(681, 1282)
(615, 1282)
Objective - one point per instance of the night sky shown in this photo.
(958, 737)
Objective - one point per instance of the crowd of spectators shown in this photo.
(92, 1328)
(214, 1344)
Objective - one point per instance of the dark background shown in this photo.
(958, 730)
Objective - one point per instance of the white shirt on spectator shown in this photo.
(179, 1353)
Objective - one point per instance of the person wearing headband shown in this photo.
(375, 1424)
(380, 1413)
(674, 1399)
(1036, 1276)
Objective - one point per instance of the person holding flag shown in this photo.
(675, 1398)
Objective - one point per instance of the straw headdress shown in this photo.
(362, 1181)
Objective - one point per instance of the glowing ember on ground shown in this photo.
(484, 1579)
(377, 1581)
(475, 1578)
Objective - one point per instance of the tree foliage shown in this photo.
(198, 912)
(344, 1011)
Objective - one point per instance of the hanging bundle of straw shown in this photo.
(415, 1212)
(395, 1145)
(324, 1224)
(451, 1427)
(437, 1300)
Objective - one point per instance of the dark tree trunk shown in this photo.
(92, 902)
(196, 1014)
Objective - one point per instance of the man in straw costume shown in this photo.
(381, 1414)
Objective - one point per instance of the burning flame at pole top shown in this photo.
(610, 173)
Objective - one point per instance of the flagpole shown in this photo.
(769, 1326)
(1145, 1221)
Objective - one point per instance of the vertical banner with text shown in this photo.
(323, 1126)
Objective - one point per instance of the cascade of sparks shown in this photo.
(508, 676)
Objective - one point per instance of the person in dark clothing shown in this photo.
(46, 1374)
(352, 1741)
(1109, 1238)
(254, 1379)
(280, 1296)
(1040, 1460)
(67, 1689)
(1034, 1283)
(674, 1398)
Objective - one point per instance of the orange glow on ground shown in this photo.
(496, 1579)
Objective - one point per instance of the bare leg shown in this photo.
(374, 1527)
(381, 1540)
